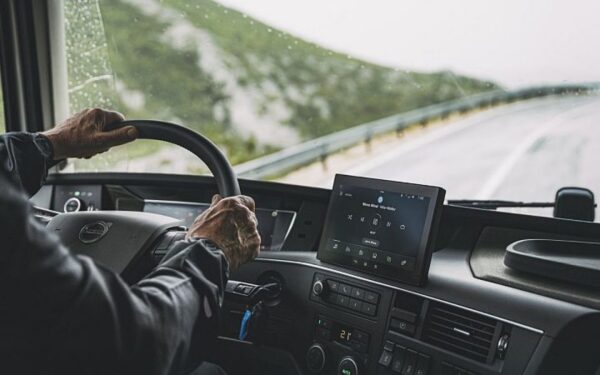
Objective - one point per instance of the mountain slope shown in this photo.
(246, 85)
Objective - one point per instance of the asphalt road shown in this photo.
(523, 151)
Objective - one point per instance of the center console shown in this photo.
(365, 306)
(388, 229)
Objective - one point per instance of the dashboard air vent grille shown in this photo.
(460, 331)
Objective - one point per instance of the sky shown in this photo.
(513, 42)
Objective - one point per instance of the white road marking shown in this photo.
(493, 182)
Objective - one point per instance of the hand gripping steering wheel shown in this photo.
(122, 240)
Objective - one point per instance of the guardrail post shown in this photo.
(400, 129)
(323, 158)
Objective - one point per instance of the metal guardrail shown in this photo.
(319, 148)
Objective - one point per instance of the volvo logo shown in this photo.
(93, 232)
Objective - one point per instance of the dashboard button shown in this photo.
(363, 253)
(398, 361)
(347, 366)
(410, 363)
(324, 322)
(371, 297)
(375, 221)
(318, 288)
(405, 263)
(335, 246)
(334, 286)
(386, 358)
(368, 309)
(370, 242)
(388, 259)
(315, 358)
(389, 346)
(342, 300)
(355, 304)
(345, 289)
(331, 297)
(402, 327)
(348, 250)
(422, 365)
(358, 293)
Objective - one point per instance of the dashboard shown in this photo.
(459, 311)
(273, 225)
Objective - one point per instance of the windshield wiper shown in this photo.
(494, 204)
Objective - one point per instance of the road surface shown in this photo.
(523, 151)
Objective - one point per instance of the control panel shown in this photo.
(74, 198)
(404, 361)
(339, 348)
(331, 331)
(346, 296)
(404, 333)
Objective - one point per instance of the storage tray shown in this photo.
(572, 261)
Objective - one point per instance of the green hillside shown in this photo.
(164, 56)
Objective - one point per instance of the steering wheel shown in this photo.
(126, 241)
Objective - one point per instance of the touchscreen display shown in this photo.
(381, 227)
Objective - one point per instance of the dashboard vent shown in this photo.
(460, 331)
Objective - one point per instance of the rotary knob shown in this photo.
(315, 358)
(347, 366)
(318, 288)
(73, 205)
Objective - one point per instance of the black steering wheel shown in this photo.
(124, 241)
(202, 147)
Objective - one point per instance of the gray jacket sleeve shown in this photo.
(63, 314)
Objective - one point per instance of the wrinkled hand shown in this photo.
(86, 134)
(231, 224)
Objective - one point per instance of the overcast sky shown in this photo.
(513, 42)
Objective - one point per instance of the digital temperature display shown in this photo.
(342, 333)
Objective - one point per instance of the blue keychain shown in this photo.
(244, 324)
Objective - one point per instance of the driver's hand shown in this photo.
(86, 134)
(231, 224)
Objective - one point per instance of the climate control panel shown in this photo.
(338, 348)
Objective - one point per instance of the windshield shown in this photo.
(490, 100)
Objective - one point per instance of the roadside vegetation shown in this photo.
(231, 77)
